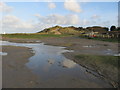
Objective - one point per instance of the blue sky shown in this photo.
(35, 16)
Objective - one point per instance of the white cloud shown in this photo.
(71, 19)
(38, 15)
(51, 5)
(72, 5)
(5, 8)
(10, 19)
(56, 19)
(92, 22)
(74, 19)
(106, 23)
(95, 16)
(12, 23)
(85, 22)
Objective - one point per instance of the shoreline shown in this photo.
(92, 69)
(14, 69)
(72, 46)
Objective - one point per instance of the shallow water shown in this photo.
(53, 69)
(3, 53)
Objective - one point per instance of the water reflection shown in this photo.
(48, 63)
(51, 61)
(3, 53)
(68, 64)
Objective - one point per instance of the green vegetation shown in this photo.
(39, 36)
(69, 31)
(95, 32)
(32, 36)
(113, 28)
(106, 66)
(61, 30)
(97, 59)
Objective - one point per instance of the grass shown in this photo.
(106, 66)
(98, 59)
(32, 36)
(39, 36)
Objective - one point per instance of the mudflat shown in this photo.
(79, 45)
(74, 43)
(15, 74)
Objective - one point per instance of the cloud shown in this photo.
(56, 19)
(85, 22)
(70, 19)
(5, 8)
(72, 5)
(12, 23)
(106, 23)
(38, 15)
(51, 5)
(95, 17)
(119, 20)
(90, 22)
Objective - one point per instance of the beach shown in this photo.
(66, 44)
(14, 73)
(14, 64)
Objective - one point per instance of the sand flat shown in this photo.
(15, 74)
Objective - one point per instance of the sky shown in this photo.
(32, 17)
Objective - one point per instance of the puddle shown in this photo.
(109, 52)
(49, 64)
(117, 54)
(90, 46)
(102, 52)
(3, 53)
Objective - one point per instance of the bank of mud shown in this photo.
(78, 45)
(14, 72)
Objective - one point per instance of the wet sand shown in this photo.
(80, 46)
(15, 74)
(72, 43)
(0, 68)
